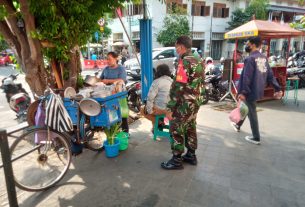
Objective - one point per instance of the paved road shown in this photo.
(7, 116)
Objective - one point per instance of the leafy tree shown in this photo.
(256, 7)
(238, 17)
(174, 26)
(62, 26)
(3, 44)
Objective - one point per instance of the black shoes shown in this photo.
(173, 164)
(190, 158)
(176, 162)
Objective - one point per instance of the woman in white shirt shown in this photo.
(158, 95)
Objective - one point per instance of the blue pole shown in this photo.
(146, 56)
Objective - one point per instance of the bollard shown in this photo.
(8, 171)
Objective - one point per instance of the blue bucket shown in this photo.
(112, 150)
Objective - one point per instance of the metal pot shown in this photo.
(90, 107)
(91, 80)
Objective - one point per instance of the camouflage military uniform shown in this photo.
(184, 103)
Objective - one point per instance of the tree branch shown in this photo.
(29, 20)
(9, 36)
(12, 23)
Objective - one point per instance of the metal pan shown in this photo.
(90, 107)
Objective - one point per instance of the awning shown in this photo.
(119, 44)
(265, 29)
(286, 9)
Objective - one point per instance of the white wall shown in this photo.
(157, 12)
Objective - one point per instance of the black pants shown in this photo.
(252, 114)
(125, 126)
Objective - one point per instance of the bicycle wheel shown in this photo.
(40, 159)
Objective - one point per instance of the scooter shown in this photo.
(16, 96)
(134, 95)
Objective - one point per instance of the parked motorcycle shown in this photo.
(16, 96)
(299, 57)
(215, 89)
(134, 95)
(292, 63)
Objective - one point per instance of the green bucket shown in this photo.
(123, 138)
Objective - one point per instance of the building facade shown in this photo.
(208, 22)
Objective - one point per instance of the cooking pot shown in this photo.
(69, 92)
(91, 80)
(90, 107)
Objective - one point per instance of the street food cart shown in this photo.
(267, 30)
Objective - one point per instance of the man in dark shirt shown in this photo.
(254, 77)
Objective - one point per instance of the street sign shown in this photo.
(101, 22)
(102, 29)
(96, 35)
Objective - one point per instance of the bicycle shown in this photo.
(41, 156)
(40, 159)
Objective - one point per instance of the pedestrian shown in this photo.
(254, 77)
(184, 104)
(112, 74)
(158, 94)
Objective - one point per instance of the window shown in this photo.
(199, 9)
(220, 11)
(167, 54)
(118, 36)
(176, 7)
(133, 9)
(136, 35)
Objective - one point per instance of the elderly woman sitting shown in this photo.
(158, 95)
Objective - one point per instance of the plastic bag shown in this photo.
(124, 107)
(234, 115)
(243, 108)
(239, 113)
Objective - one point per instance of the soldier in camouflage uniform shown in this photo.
(185, 100)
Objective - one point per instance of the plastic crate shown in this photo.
(71, 107)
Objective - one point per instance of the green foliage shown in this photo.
(300, 25)
(3, 12)
(258, 8)
(67, 23)
(301, 2)
(173, 27)
(240, 17)
(3, 44)
(111, 133)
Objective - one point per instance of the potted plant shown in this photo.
(111, 144)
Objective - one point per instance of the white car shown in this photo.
(162, 55)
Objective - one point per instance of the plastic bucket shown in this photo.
(112, 150)
(123, 138)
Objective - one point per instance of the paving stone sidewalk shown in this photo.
(231, 172)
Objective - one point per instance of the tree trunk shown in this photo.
(73, 66)
(36, 76)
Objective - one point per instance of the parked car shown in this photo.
(162, 55)
(5, 59)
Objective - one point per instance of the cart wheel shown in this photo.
(94, 143)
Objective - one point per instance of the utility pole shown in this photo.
(211, 32)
